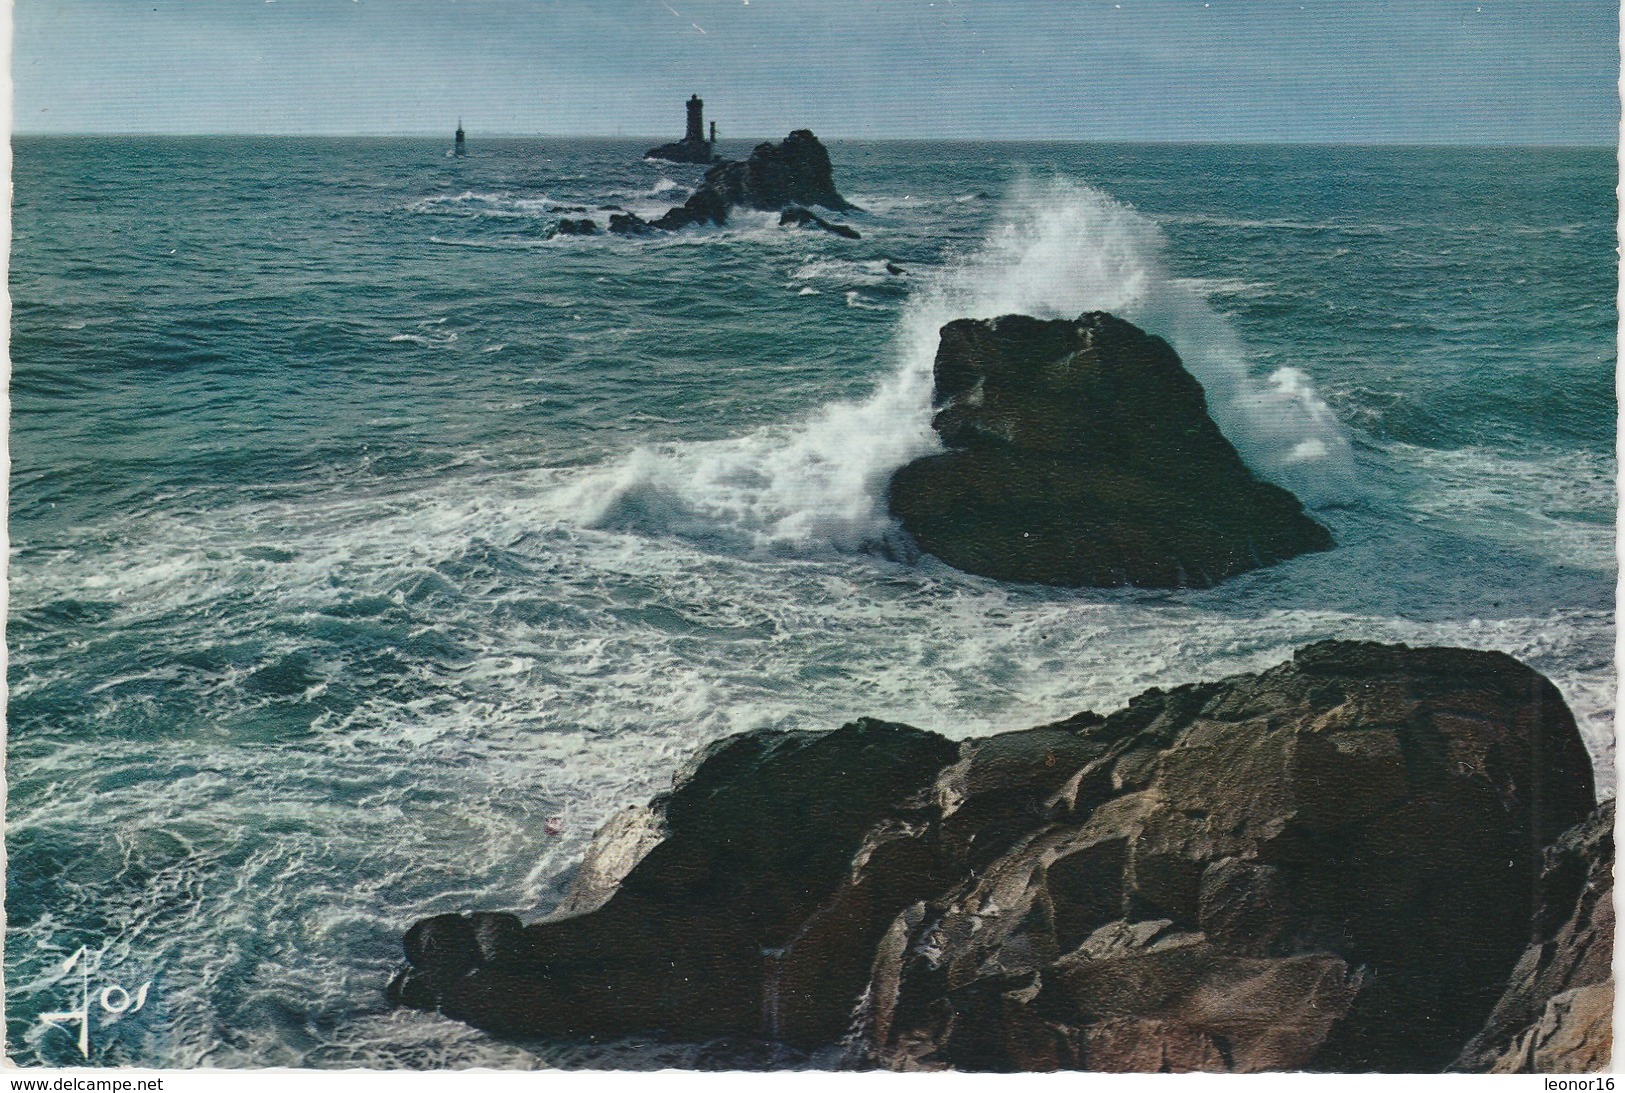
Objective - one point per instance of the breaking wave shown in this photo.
(1058, 249)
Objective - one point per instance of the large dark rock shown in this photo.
(1325, 866)
(1081, 453)
(1556, 1016)
(629, 224)
(796, 171)
(704, 206)
(725, 881)
(1328, 865)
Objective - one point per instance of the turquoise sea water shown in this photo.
(370, 548)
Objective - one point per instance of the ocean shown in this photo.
(371, 548)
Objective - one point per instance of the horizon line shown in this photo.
(637, 138)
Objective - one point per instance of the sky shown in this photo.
(1366, 71)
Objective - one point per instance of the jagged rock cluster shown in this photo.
(1080, 452)
(794, 172)
(1329, 865)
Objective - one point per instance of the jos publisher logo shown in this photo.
(104, 1002)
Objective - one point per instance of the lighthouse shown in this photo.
(460, 146)
(696, 121)
(693, 148)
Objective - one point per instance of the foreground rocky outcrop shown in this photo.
(1081, 453)
(752, 840)
(1328, 865)
(1557, 1014)
(796, 171)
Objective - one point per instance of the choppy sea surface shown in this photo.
(370, 548)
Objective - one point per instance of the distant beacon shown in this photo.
(460, 148)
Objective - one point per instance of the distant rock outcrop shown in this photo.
(1302, 869)
(796, 171)
(1080, 452)
(1329, 865)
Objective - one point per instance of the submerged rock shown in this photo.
(629, 224)
(705, 206)
(1328, 865)
(582, 226)
(1081, 453)
(796, 217)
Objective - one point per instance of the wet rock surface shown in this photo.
(581, 226)
(1080, 452)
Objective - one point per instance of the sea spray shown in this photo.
(1062, 248)
(1058, 249)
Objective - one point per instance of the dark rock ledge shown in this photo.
(1330, 865)
(1080, 452)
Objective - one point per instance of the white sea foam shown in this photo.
(844, 271)
(856, 299)
(499, 206)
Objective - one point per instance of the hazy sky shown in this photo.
(1519, 71)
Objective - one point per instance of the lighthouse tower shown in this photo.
(460, 146)
(696, 120)
(693, 148)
